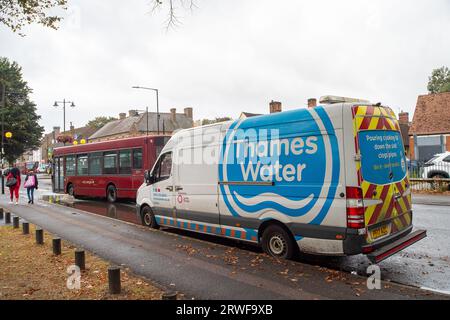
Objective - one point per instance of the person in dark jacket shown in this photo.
(14, 173)
(31, 183)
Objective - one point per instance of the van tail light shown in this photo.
(355, 208)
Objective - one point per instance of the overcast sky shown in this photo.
(231, 56)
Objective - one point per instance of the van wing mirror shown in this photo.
(148, 177)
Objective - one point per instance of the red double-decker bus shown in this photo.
(113, 169)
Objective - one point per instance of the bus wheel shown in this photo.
(148, 218)
(111, 193)
(277, 242)
(70, 190)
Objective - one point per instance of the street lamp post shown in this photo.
(72, 104)
(157, 105)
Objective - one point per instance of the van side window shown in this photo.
(164, 167)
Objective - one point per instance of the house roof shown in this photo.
(139, 122)
(249, 114)
(83, 132)
(432, 114)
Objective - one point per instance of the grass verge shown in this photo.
(31, 271)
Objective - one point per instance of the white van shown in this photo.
(329, 180)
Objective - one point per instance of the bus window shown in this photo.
(95, 163)
(110, 163)
(70, 165)
(137, 159)
(82, 165)
(124, 161)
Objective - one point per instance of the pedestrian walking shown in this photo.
(31, 183)
(13, 182)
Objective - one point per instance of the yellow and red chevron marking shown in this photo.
(398, 211)
(374, 118)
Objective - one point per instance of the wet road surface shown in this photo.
(425, 264)
(202, 269)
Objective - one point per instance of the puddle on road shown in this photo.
(120, 211)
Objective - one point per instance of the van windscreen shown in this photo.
(382, 156)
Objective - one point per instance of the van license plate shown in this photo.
(379, 232)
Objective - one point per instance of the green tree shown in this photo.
(19, 114)
(15, 14)
(99, 122)
(439, 80)
(445, 87)
(216, 120)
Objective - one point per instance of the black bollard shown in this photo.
(16, 222)
(25, 228)
(169, 295)
(56, 246)
(114, 280)
(80, 259)
(1, 214)
(7, 217)
(39, 236)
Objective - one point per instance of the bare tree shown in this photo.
(173, 6)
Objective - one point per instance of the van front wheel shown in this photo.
(148, 218)
(277, 242)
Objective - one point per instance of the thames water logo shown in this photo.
(283, 163)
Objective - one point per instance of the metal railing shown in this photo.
(429, 177)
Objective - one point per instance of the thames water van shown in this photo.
(329, 180)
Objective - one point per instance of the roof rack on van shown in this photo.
(336, 99)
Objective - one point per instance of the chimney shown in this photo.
(403, 117)
(173, 114)
(188, 112)
(122, 115)
(56, 131)
(132, 113)
(312, 102)
(274, 106)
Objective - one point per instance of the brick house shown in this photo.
(430, 130)
(405, 125)
(136, 124)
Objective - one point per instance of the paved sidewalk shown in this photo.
(200, 269)
(431, 199)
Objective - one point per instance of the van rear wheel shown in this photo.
(277, 242)
(148, 218)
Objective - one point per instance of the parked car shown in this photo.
(437, 167)
(43, 168)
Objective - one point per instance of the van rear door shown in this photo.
(382, 172)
